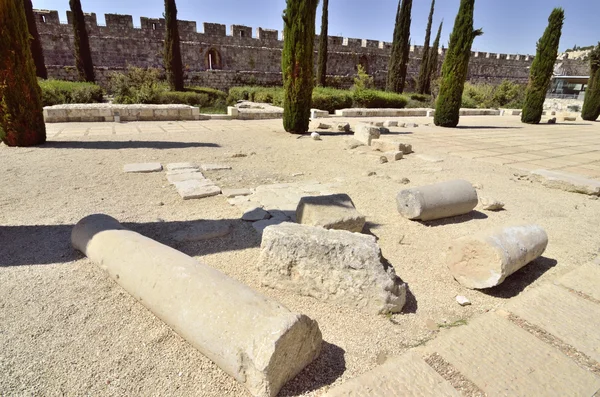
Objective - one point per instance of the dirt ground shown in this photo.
(66, 328)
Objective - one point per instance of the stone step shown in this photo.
(572, 319)
(503, 360)
(407, 375)
(586, 279)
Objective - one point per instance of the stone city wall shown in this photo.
(221, 59)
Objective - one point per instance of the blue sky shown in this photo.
(510, 26)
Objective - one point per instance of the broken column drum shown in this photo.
(486, 259)
(251, 337)
(440, 200)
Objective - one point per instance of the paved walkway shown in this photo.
(572, 147)
(546, 342)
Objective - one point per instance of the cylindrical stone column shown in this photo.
(486, 259)
(440, 200)
(251, 337)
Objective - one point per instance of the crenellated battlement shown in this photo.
(221, 56)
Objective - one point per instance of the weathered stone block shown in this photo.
(142, 167)
(194, 189)
(331, 212)
(389, 146)
(330, 265)
(366, 133)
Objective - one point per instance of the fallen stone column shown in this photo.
(251, 337)
(486, 259)
(440, 200)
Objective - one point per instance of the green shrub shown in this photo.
(486, 96)
(363, 81)
(56, 92)
(331, 99)
(420, 97)
(241, 94)
(412, 104)
(379, 99)
(136, 85)
(184, 98)
(213, 93)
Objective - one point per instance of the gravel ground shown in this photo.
(66, 328)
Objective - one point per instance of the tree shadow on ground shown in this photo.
(473, 215)
(521, 279)
(324, 371)
(114, 145)
(50, 244)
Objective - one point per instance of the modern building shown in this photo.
(568, 87)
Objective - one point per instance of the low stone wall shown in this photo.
(106, 112)
(359, 112)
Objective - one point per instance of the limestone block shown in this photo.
(485, 260)
(336, 211)
(317, 125)
(343, 127)
(440, 200)
(568, 182)
(391, 146)
(142, 167)
(491, 204)
(182, 166)
(251, 337)
(233, 112)
(195, 189)
(231, 193)
(186, 176)
(330, 265)
(255, 214)
(394, 156)
(185, 114)
(365, 133)
(390, 123)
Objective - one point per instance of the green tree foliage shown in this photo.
(172, 54)
(35, 43)
(322, 62)
(591, 104)
(297, 63)
(400, 48)
(423, 72)
(456, 66)
(83, 55)
(542, 68)
(432, 60)
(21, 117)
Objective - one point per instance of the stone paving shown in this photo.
(572, 147)
(543, 343)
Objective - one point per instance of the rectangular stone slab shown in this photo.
(194, 189)
(407, 375)
(505, 360)
(585, 279)
(568, 317)
(568, 182)
(142, 167)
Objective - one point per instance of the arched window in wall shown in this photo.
(364, 62)
(213, 59)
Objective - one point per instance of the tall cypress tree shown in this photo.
(400, 48)
(423, 72)
(591, 104)
(172, 55)
(35, 43)
(83, 55)
(432, 60)
(21, 117)
(456, 66)
(322, 62)
(297, 62)
(542, 68)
